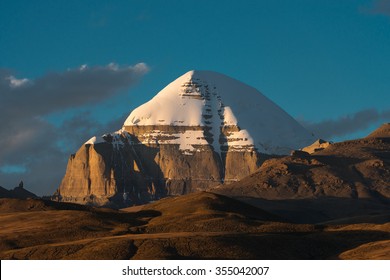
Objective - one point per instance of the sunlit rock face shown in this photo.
(202, 130)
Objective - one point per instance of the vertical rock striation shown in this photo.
(202, 130)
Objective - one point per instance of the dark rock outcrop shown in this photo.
(18, 192)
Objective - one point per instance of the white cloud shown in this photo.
(14, 83)
(83, 67)
(142, 68)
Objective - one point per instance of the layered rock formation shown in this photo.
(201, 130)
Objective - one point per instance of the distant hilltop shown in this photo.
(381, 132)
(17, 192)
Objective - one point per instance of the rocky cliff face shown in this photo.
(202, 130)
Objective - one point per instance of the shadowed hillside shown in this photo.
(18, 192)
(195, 226)
(346, 179)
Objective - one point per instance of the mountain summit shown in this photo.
(382, 132)
(203, 129)
(222, 112)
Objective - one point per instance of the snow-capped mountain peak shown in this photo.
(232, 114)
(202, 130)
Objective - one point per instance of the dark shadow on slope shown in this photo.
(305, 246)
(8, 205)
(322, 210)
(139, 176)
(266, 246)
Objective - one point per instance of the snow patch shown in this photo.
(95, 140)
(217, 103)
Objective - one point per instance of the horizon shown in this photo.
(78, 70)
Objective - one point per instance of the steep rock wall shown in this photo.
(100, 173)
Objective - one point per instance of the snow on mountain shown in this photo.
(237, 116)
(95, 140)
(202, 130)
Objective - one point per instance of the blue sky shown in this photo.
(327, 63)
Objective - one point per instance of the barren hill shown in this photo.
(345, 179)
(381, 132)
(195, 226)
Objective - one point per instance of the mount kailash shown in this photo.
(202, 130)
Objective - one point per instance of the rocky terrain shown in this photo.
(344, 179)
(330, 204)
(201, 130)
(201, 171)
(195, 226)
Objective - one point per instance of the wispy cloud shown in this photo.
(348, 124)
(58, 91)
(378, 7)
(31, 144)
